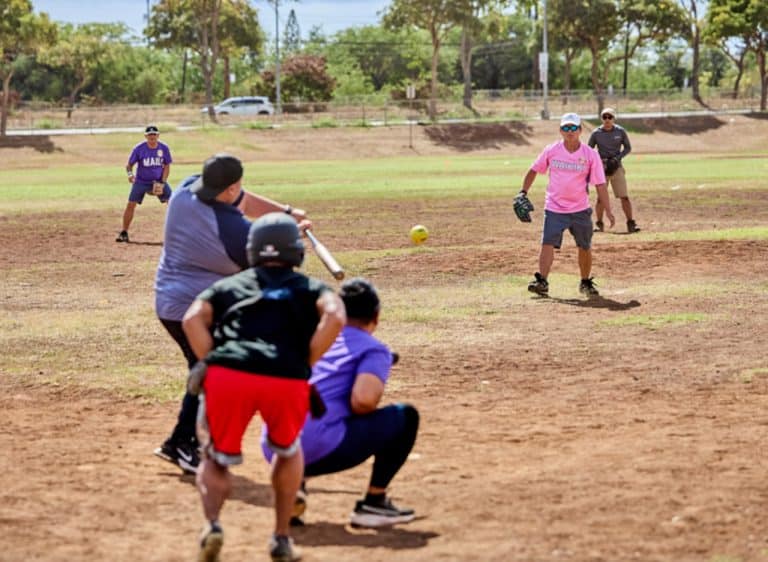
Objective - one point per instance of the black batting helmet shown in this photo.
(275, 237)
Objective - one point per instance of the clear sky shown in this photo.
(330, 15)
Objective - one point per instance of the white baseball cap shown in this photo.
(609, 111)
(570, 119)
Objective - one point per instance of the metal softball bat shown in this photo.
(325, 256)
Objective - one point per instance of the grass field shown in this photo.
(631, 427)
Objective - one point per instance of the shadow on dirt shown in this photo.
(594, 302)
(253, 493)
(466, 137)
(757, 115)
(674, 125)
(38, 143)
(332, 534)
(145, 243)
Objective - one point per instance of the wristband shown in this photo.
(130, 173)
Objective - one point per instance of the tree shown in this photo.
(21, 32)
(565, 41)
(438, 17)
(506, 63)
(483, 17)
(80, 51)
(693, 33)
(736, 51)
(238, 35)
(383, 56)
(211, 28)
(304, 77)
(747, 21)
(596, 24)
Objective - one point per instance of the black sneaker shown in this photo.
(599, 226)
(587, 287)
(632, 227)
(282, 549)
(211, 541)
(183, 455)
(379, 515)
(122, 237)
(539, 285)
(299, 507)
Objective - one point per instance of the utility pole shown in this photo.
(278, 103)
(544, 65)
(147, 23)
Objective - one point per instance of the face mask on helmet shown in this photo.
(275, 237)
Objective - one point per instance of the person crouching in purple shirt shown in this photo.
(350, 377)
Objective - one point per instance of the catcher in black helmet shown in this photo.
(259, 332)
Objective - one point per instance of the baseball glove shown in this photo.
(610, 165)
(523, 207)
(157, 188)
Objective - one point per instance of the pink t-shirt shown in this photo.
(570, 174)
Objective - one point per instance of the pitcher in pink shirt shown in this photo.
(572, 167)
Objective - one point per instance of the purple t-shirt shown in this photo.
(151, 161)
(570, 174)
(355, 351)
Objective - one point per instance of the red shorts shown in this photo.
(233, 397)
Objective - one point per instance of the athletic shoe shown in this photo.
(599, 226)
(539, 285)
(122, 237)
(632, 227)
(380, 515)
(211, 541)
(587, 287)
(183, 455)
(282, 549)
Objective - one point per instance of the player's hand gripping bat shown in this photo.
(325, 256)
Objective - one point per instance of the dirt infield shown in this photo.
(630, 427)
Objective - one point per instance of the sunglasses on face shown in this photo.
(606, 116)
(569, 128)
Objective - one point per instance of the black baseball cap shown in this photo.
(151, 129)
(219, 172)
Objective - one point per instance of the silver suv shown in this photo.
(246, 105)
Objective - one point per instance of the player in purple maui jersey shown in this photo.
(153, 164)
(350, 377)
(572, 167)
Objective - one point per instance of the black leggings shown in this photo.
(185, 430)
(387, 434)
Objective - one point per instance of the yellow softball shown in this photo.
(419, 234)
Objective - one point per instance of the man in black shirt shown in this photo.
(259, 332)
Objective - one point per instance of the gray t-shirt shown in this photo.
(610, 144)
(203, 243)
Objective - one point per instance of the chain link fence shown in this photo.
(487, 106)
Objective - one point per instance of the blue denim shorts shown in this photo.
(578, 224)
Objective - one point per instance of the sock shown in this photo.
(374, 499)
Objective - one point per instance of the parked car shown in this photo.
(245, 105)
